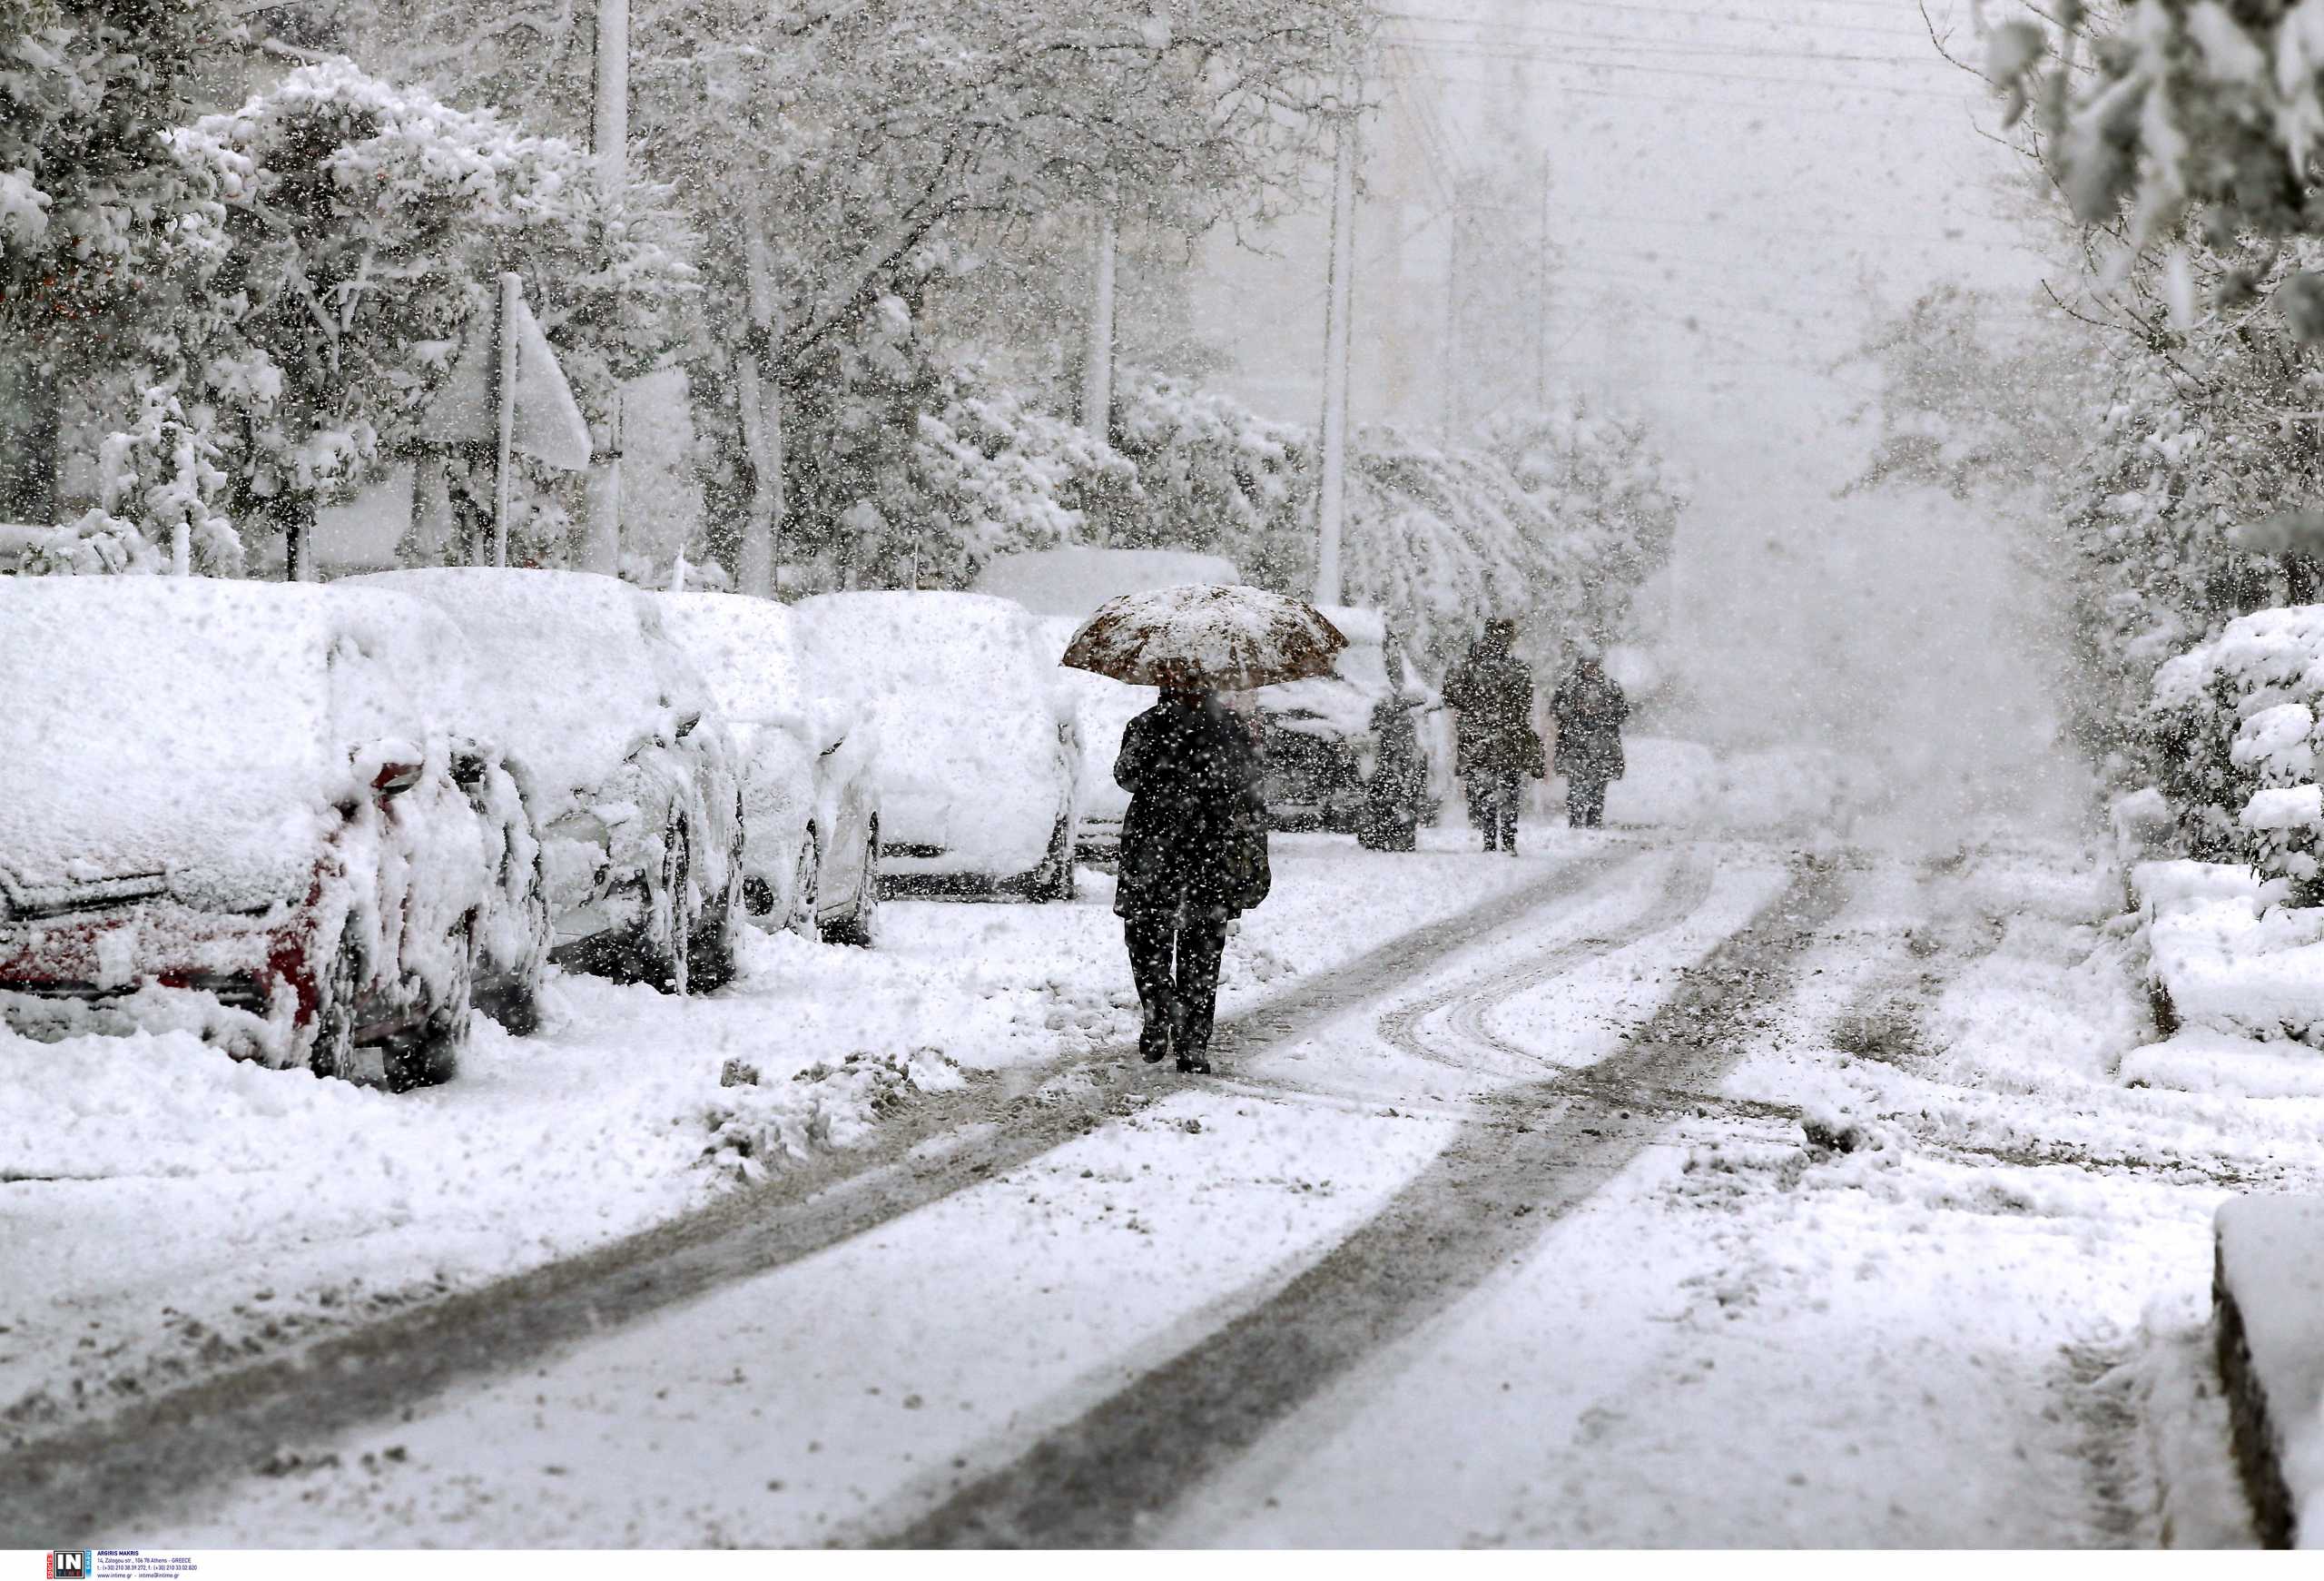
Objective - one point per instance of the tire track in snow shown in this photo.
(1112, 1476)
(75, 1484)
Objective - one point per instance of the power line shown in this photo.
(1663, 11)
(1708, 76)
(1837, 87)
(1472, 45)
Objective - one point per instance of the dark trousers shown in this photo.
(1173, 959)
(1492, 807)
(1585, 801)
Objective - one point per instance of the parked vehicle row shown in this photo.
(320, 825)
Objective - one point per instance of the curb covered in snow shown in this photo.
(2268, 1297)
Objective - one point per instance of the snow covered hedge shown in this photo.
(2236, 725)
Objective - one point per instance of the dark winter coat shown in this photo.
(1590, 708)
(1493, 690)
(1195, 836)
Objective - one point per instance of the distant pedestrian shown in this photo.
(1590, 708)
(1495, 743)
(1194, 856)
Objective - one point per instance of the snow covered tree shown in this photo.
(351, 230)
(1555, 524)
(161, 483)
(89, 197)
(841, 160)
(1211, 476)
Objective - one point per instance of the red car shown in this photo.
(236, 808)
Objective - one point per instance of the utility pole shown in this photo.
(1097, 371)
(609, 137)
(1331, 496)
(1453, 322)
(504, 397)
(1541, 300)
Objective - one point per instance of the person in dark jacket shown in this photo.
(1590, 708)
(1495, 743)
(1194, 856)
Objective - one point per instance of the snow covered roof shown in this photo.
(1075, 581)
(746, 649)
(194, 727)
(572, 671)
(939, 657)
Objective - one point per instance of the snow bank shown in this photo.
(2229, 955)
(2270, 1299)
(1807, 787)
(1669, 784)
(2221, 1064)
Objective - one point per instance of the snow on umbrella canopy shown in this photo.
(1204, 637)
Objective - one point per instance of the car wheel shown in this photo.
(514, 999)
(806, 889)
(860, 925)
(1054, 878)
(432, 1055)
(332, 1052)
(667, 942)
(710, 962)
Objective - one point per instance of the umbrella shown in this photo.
(1205, 638)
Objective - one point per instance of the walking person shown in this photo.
(1495, 743)
(1590, 708)
(1194, 856)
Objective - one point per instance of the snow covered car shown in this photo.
(811, 804)
(1344, 751)
(618, 748)
(233, 808)
(978, 762)
(1063, 588)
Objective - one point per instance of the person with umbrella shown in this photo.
(1194, 843)
(1590, 708)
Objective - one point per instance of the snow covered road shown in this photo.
(1517, 1228)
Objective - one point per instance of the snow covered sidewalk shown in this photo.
(247, 1210)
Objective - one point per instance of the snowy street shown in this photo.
(1511, 1227)
(1209, 774)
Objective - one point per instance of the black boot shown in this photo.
(1154, 1040)
(1191, 1044)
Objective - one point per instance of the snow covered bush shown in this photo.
(161, 480)
(1212, 476)
(2235, 723)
